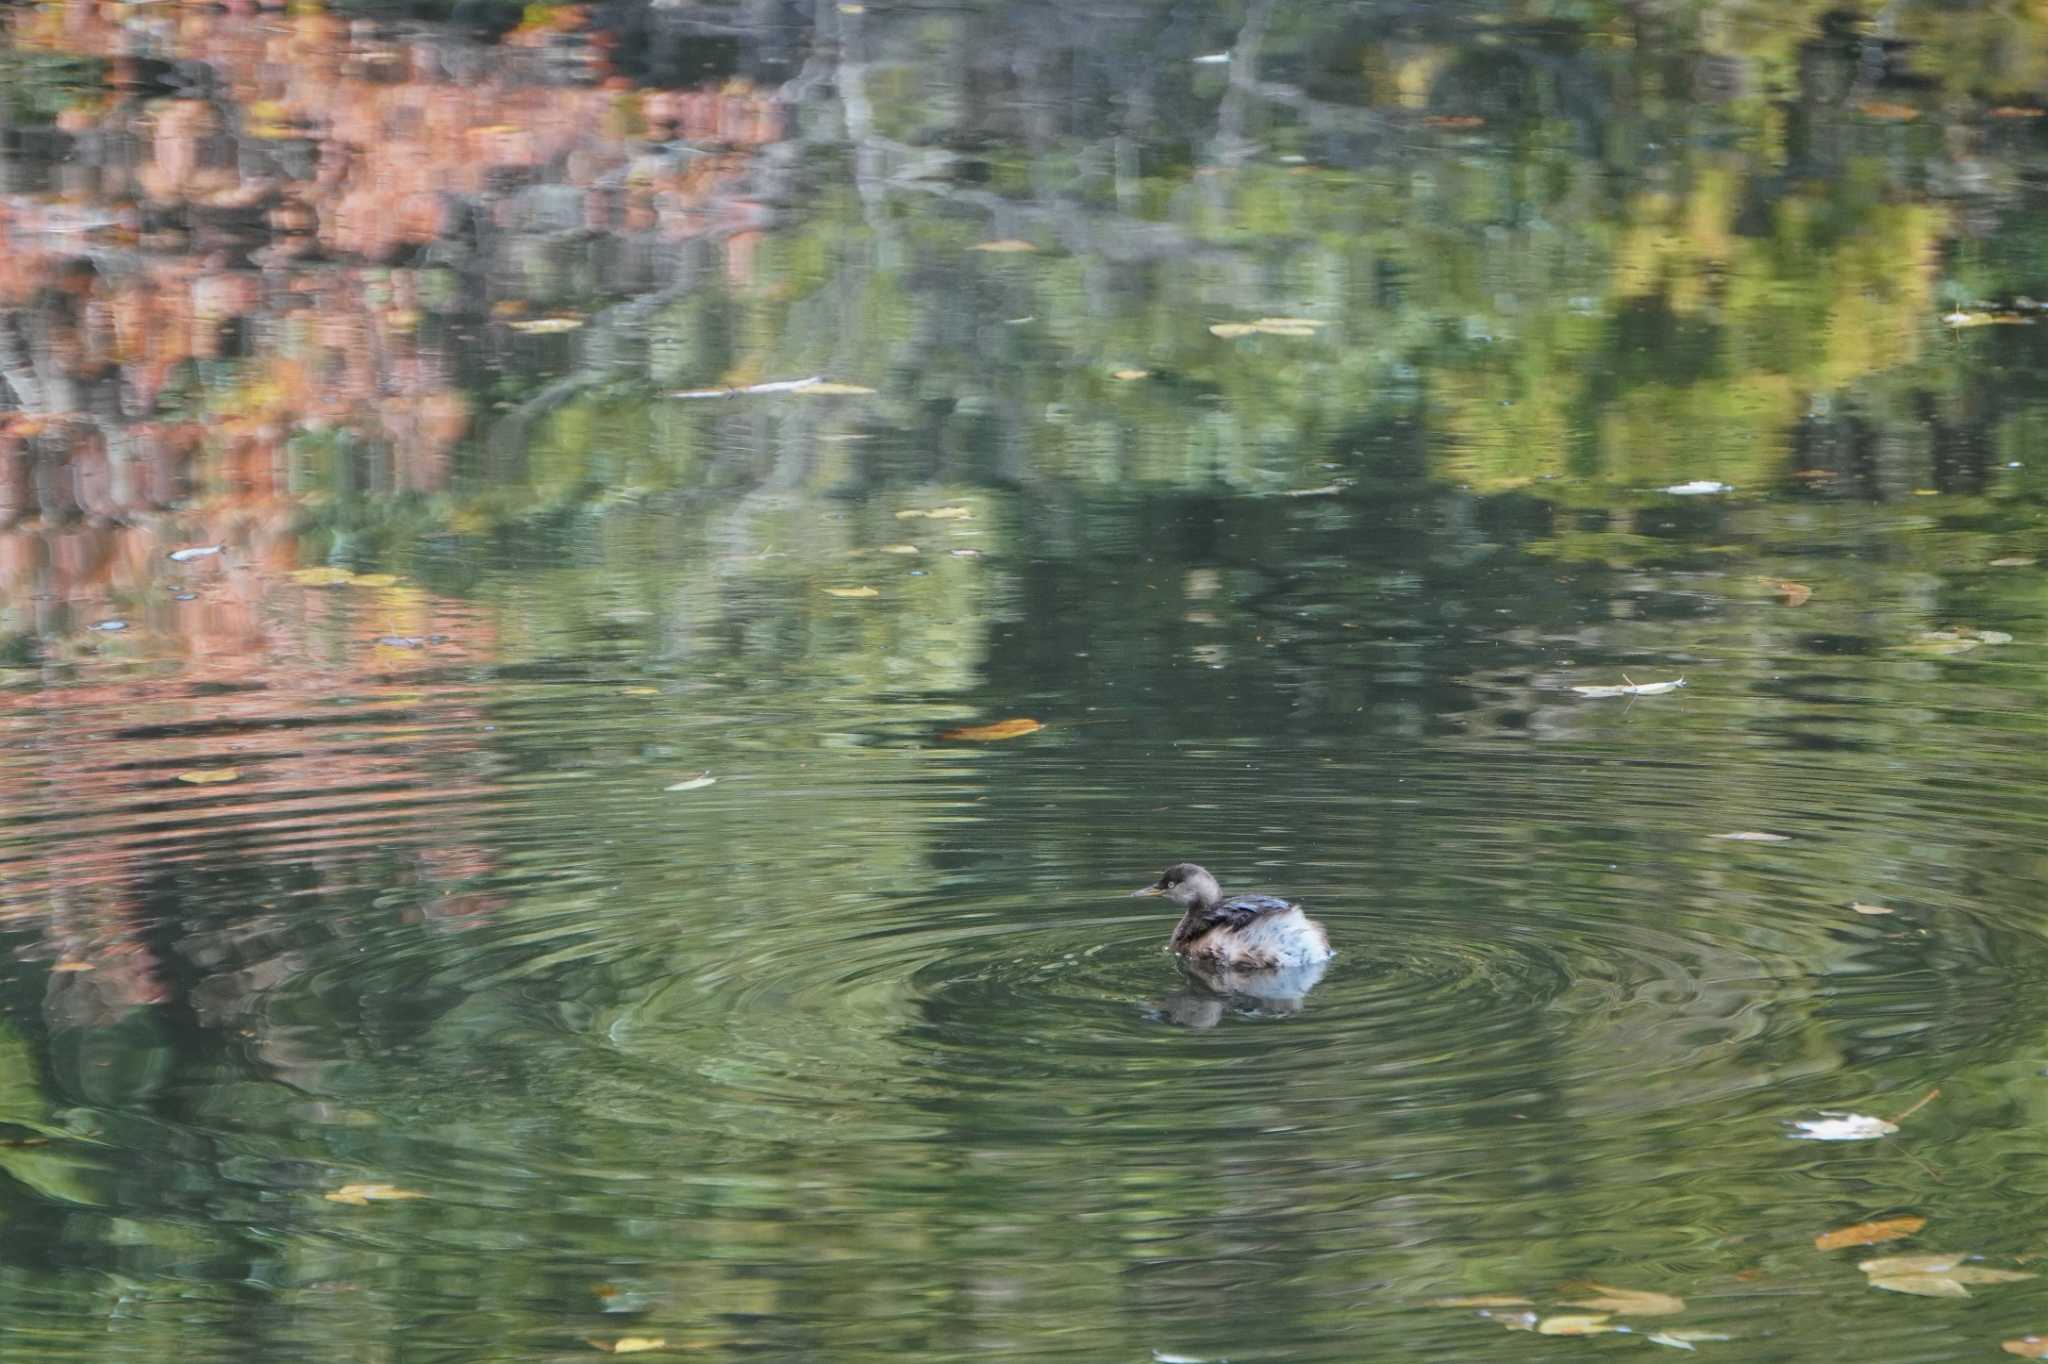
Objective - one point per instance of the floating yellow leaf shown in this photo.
(1869, 1233)
(829, 388)
(629, 1345)
(210, 776)
(324, 576)
(1230, 331)
(1630, 1302)
(856, 593)
(2026, 1347)
(2014, 561)
(1862, 908)
(901, 549)
(1130, 375)
(955, 513)
(1795, 594)
(1568, 1325)
(1482, 1300)
(1001, 729)
(639, 691)
(546, 326)
(1910, 1264)
(1005, 246)
(362, 1195)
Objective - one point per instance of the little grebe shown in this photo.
(1250, 932)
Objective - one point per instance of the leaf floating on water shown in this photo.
(1568, 1325)
(2026, 1347)
(1795, 594)
(1130, 375)
(901, 549)
(1862, 908)
(546, 326)
(1001, 729)
(1005, 246)
(1268, 326)
(639, 691)
(629, 1345)
(852, 593)
(186, 556)
(696, 783)
(952, 513)
(1699, 487)
(1482, 1300)
(362, 1195)
(1869, 1233)
(1842, 1127)
(1684, 1340)
(1230, 331)
(1632, 689)
(210, 776)
(1630, 1302)
(1911, 1264)
(2014, 561)
(1887, 111)
(1752, 836)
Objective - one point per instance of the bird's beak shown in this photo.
(1147, 892)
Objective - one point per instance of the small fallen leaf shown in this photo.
(1842, 1127)
(1005, 246)
(1001, 729)
(1862, 908)
(696, 783)
(1568, 1325)
(1683, 1340)
(1752, 836)
(1230, 331)
(952, 513)
(1889, 112)
(2014, 561)
(1482, 1300)
(1630, 1302)
(1130, 375)
(210, 776)
(901, 549)
(1632, 689)
(855, 593)
(1910, 1264)
(1922, 1285)
(362, 1195)
(1869, 1233)
(629, 1345)
(639, 691)
(1795, 594)
(186, 556)
(546, 326)
(2026, 1347)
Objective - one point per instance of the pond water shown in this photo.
(498, 862)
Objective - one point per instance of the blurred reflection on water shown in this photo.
(529, 790)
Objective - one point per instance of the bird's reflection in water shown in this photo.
(1215, 991)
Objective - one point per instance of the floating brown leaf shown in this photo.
(362, 1195)
(2017, 111)
(1001, 729)
(1795, 594)
(629, 1345)
(1568, 1325)
(1482, 1300)
(2026, 1347)
(210, 776)
(856, 593)
(1630, 1302)
(1869, 1233)
(1889, 112)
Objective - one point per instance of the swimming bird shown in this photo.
(1246, 932)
